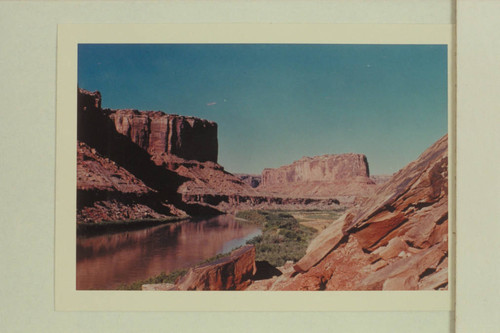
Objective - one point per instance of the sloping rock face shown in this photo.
(156, 132)
(108, 192)
(380, 179)
(100, 173)
(321, 176)
(397, 239)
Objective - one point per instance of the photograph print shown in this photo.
(264, 167)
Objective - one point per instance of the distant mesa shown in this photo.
(319, 168)
(321, 176)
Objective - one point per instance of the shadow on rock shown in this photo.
(265, 271)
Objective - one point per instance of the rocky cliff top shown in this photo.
(151, 114)
(156, 132)
(336, 166)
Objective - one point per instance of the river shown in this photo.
(107, 261)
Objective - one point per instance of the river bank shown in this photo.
(105, 261)
(93, 229)
(284, 238)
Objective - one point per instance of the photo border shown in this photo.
(66, 295)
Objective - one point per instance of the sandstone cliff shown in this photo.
(156, 132)
(117, 177)
(344, 176)
(319, 168)
(397, 239)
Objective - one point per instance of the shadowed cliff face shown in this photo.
(156, 132)
(111, 163)
(97, 131)
(397, 239)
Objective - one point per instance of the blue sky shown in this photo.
(277, 103)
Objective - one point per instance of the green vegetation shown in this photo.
(317, 219)
(161, 278)
(283, 237)
(90, 229)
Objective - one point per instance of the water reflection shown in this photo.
(105, 262)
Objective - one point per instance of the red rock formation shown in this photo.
(395, 240)
(156, 132)
(319, 168)
(96, 172)
(108, 192)
(228, 273)
(321, 176)
(88, 100)
(117, 179)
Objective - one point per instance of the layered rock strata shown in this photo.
(189, 138)
(319, 168)
(118, 179)
(397, 239)
(344, 176)
(107, 192)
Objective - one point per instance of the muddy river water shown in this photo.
(107, 261)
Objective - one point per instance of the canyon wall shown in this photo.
(343, 176)
(319, 168)
(118, 178)
(156, 132)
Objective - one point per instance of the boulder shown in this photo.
(229, 273)
(321, 245)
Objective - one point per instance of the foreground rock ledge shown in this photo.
(229, 273)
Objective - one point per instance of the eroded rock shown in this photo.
(229, 273)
